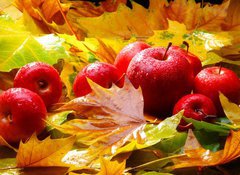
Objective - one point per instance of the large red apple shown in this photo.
(22, 113)
(164, 78)
(212, 80)
(195, 106)
(101, 73)
(41, 78)
(192, 59)
(127, 53)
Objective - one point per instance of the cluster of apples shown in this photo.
(172, 79)
(23, 108)
(167, 77)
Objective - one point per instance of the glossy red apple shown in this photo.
(192, 59)
(212, 80)
(41, 78)
(164, 78)
(22, 113)
(127, 53)
(195, 106)
(101, 73)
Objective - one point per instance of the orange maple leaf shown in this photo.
(49, 152)
(196, 156)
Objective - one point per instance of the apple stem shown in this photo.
(200, 111)
(220, 69)
(165, 54)
(186, 44)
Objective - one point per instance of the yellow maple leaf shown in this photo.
(113, 167)
(49, 152)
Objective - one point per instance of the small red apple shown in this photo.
(212, 80)
(101, 73)
(22, 113)
(127, 53)
(192, 59)
(195, 106)
(41, 78)
(164, 78)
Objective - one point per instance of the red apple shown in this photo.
(101, 73)
(22, 113)
(212, 80)
(195, 106)
(127, 53)
(164, 78)
(41, 78)
(192, 59)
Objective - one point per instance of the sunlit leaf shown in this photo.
(49, 152)
(200, 42)
(20, 48)
(197, 156)
(155, 134)
(8, 163)
(231, 110)
(112, 24)
(212, 58)
(173, 144)
(44, 9)
(111, 167)
(110, 118)
(209, 127)
(57, 118)
(196, 17)
(232, 21)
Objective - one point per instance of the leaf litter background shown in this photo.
(106, 131)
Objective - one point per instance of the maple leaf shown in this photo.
(110, 122)
(232, 20)
(112, 117)
(111, 167)
(49, 152)
(194, 16)
(195, 155)
(88, 9)
(48, 10)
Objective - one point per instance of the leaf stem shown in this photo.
(66, 20)
(154, 161)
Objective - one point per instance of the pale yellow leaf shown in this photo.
(231, 110)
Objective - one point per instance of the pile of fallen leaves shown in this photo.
(106, 132)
